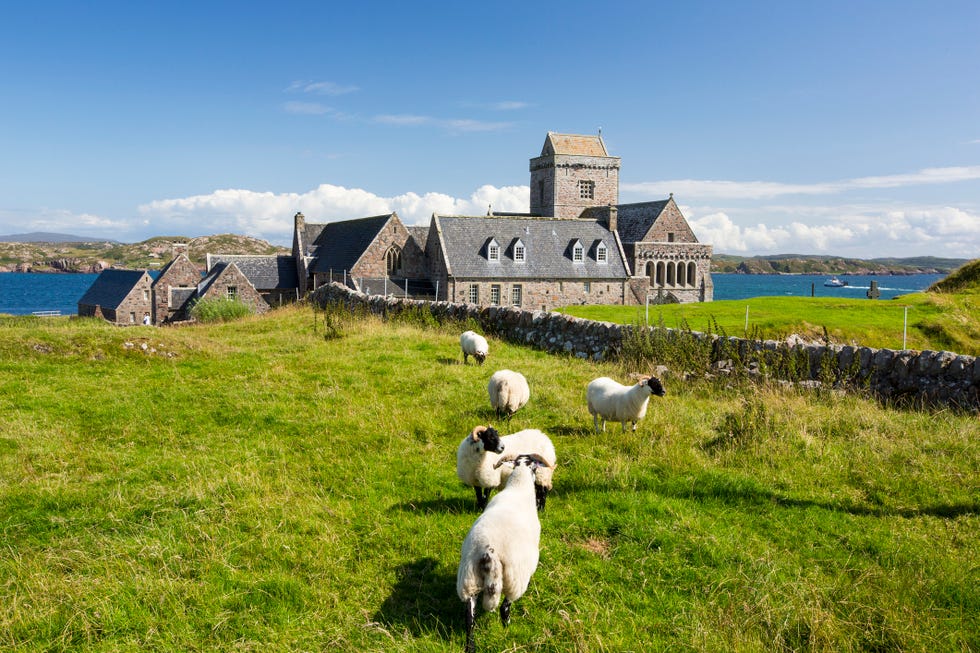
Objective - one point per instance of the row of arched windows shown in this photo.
(672, 274)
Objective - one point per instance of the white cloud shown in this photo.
(62, 221)
(269, 215)
(321, 88)
(453, 125)
(307, 108)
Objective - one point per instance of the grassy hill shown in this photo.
(935, 320)
(256, 485)
(148, 254)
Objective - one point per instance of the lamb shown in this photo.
(475, 345)
(508, 392)
(480, 452)
(501, 550)
(612, 401)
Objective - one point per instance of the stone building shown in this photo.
(576, 245)
(174, 288)
(123, 297)
(273, 277)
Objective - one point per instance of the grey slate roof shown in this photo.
(548, 246)
(209, 279)
(111, 287)
(420, 232)
(339, 245)
(263, 272)
(634, 220)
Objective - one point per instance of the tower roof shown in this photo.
(575, 144)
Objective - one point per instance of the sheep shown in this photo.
(612, 401)
(500, 552)
(508, 392)
(481, 450)
(475, 345)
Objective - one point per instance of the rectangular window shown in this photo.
(670, 237)
(519, 253)
(493, 252)
(600, 253)
(495, 295)
(132, 318)
(474, 293)
(146, 294)
(232, 292)
(587, 286)
(578, 253)
(516, 294)
(586, 190)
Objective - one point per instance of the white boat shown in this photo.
(834, 282)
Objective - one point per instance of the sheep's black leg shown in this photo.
(505, 612)
(482, 497)
(540, 495)
(470, 609)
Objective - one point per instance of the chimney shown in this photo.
(613, 215)
(179, 248)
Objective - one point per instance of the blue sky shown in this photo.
(846, 128)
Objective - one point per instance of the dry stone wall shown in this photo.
(921, 377)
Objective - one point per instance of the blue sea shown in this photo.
(24, 293)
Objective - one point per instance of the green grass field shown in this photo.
(257, 486)
(932, 320)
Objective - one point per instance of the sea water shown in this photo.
(23, 293)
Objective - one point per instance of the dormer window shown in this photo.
(586, 189)
(519, 251)
(578, 252)
(601, 254)
(493, 250)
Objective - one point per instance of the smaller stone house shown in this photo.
(226, 281)
(123, 297)
(274, 277)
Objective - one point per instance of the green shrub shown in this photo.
(220, 310)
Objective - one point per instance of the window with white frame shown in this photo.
(516, 294)
(578, 252)
(601, 255)
(519, 252)
(493, 251)
(495, 294)
(587, 287)
(232, 292)
(586, 189)
(474, 293)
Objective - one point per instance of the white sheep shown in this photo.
(480, 452)
(508, 392)
(609, 400)
(475, 345)
(501, 550)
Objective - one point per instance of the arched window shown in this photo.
(393, 260)
(671, 274)
(661, 273)
(692, 274)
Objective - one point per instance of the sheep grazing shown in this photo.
(609, 400)
(508, 392)
(500, 553)
(475, 345)
(480, 453)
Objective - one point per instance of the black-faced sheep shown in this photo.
(479, 455)
(609, 400)
(501, 550)
(508, 392)
(475, 345)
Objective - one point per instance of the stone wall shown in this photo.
(925, 378)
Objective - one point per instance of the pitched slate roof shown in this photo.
(573, 144)
(420, 233)
(634, 220)
(339, 245)
(548, 244)
(213, 273)
(264, 272)
(111, 287)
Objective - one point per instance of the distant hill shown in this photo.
(815, 264)
(94, 256)
(48, 237)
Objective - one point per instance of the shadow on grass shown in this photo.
(748, 493)
(423, 600)
(453, 505)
